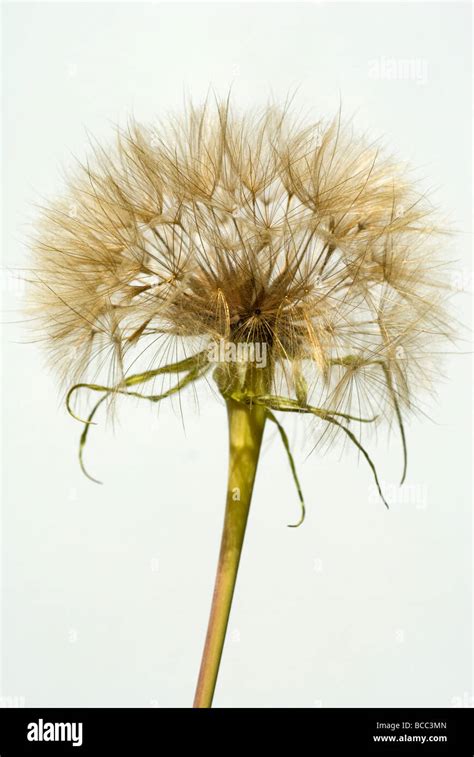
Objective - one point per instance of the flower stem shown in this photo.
(246, 424)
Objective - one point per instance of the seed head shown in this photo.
(246, 229)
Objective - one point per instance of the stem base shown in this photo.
(246, 426)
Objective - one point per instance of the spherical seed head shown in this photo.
(246, 229)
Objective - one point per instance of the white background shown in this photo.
(106, 590)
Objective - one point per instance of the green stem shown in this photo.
(246, 426)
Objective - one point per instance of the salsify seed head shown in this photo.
(251, 229)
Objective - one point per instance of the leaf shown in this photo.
(398, 413)
(188, 364)
(83, 440)
(198, 368)
(286, 404)
(286, 444)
